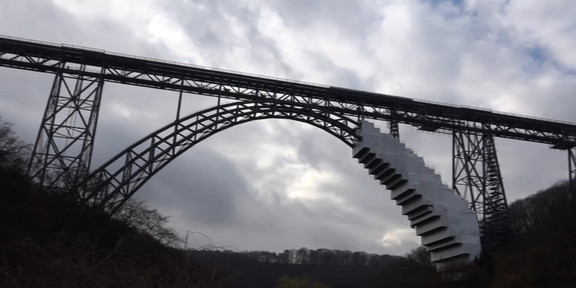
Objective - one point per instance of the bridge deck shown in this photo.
(436, 117)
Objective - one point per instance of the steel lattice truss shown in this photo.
(477, 178)
(476, 173)
(65, 141)
(46, 57)
(117, 180)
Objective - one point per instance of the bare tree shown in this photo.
(421, 256)
(14, 152)
(147, 220)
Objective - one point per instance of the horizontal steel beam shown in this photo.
(436, 117)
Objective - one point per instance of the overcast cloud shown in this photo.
(274, 185)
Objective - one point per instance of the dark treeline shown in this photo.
(545, 210)
(320, 256)
(541, 251)
(332, 268)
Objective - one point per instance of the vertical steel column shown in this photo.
(495, 203)
(393, 125)
(63, 148)
(572, 176)
(476, 177)
(468, 169)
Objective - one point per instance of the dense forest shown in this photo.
(48, 240)
(333, 268)
(541, 251)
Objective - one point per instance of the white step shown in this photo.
(431, 226)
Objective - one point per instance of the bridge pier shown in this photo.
(476, 177)
(572, 176)
(63, 148)
(393, 124)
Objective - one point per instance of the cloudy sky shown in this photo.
(272, 185)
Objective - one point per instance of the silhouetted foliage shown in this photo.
(542, 249)
(299, 282)
(328, 257)
(48, 240)
(138, 215)
(421, 256)
(13, 151)
(335, 268)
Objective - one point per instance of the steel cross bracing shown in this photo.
(477, 178)
(46, 57)
(84, 64)
(63, 148)
(495, 227)
(118, 179)
(572, 174)
(393, 124)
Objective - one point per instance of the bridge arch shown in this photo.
(448, 228)
(113, 183)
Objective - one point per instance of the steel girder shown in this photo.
(477, 178)
(118, 179)
(46, 57)
(65, 140)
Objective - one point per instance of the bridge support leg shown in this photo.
(476, 177)
(65, 140)
(572, 175)
(394, 131)
(393, 125)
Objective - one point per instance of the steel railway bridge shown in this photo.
(63, 149)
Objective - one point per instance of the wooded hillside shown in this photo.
(48, 240)
(541, 251)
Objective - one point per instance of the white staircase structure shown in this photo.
(448, 229)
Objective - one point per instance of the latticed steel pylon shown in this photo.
(477, 178)
(63, 148)
(572, 175)
(393, 124)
